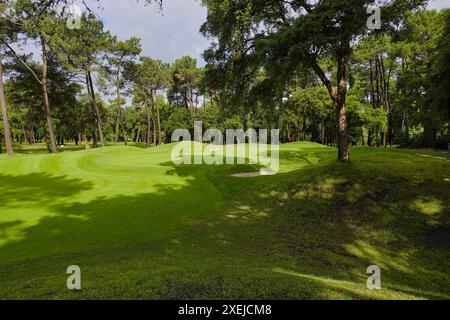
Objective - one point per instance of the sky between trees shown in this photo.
(172, 33)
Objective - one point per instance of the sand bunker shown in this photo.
(247, 175)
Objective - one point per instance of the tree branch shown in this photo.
(21, 61)
(326, 82)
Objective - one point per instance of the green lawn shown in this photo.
(140, 227)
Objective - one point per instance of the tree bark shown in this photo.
(95, 108)
(116, 128)
(341, 95)
(158, 117)
(372, 85)
(154, 131)
(6, 127)
(94, 138)
(46, 108)
(377, 79)
(138, 133)
(122, 124)
(338, 96)
(119, 105)
(85, 140)
(429, 136)
(149, 126)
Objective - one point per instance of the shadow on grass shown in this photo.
(344, 218)
(38, 188)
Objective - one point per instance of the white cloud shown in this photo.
(167, 34)
(439, 4)
(172, 32)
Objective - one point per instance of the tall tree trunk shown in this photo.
(117, 126)
(158, 117)
(343, 143)
(6, 127)
(138, 133)
(338, 96)
(95, 108)
(388, 105)
(190, 101)
(47, 114)
(149, 126)
(372, 85)
(429, 135)
(122, 124)
(377, 79)
(25, 136)
(154, 131)
(385, 97)
(85, 140)
(94, 138)
(322, 132)
(404, 117)
(119, 105)
(32, 135)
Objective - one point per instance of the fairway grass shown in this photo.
(140, 227)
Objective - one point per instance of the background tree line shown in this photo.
(311, 69)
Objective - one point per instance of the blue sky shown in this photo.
(172, 33)
(167, 34)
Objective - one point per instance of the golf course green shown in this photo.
(140, 227)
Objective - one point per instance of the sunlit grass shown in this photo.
(141, 227)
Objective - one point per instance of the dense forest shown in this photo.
(319, 76)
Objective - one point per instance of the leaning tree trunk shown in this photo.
(338, 96)
(343, 138)
(6, 128)
(47, 114)
(95, 107)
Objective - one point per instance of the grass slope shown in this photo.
(140, 227)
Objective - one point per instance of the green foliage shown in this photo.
(179, 118)
(210, 116)
(233, 123)
(439, 77)
(260, 48)
(147, 77)
(185, 82)
(119, 55)
(82, 48)
(25, 99)
(416, 96)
